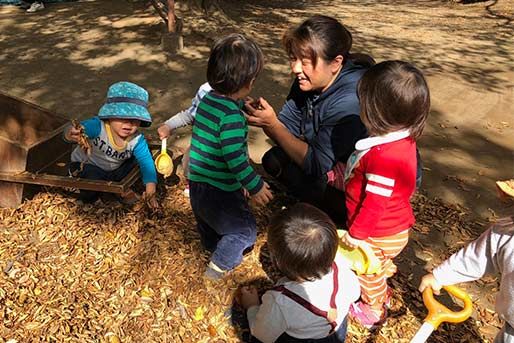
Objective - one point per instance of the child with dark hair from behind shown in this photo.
(311, 303)
(380, 175)
(220, 175)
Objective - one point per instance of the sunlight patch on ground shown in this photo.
(134, 21)
(130, 51)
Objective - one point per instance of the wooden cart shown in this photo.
(33, 153)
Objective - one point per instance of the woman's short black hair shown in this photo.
(318, 36)
(303, 242)
(394, 95)
(233, 63)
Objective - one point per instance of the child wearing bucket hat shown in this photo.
(491, 253)
(116, 144)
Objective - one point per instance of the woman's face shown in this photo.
(317, 78)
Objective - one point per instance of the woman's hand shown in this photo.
(249, 297)
(351, 242)
(164, 131)
(260, 113)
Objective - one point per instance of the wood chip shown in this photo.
(108, 273)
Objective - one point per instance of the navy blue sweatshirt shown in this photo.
(328, 122)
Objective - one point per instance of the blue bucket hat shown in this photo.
(126, 100)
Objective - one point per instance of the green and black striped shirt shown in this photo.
(219, 149)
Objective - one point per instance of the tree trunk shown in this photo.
(171, 16)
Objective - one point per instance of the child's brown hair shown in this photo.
(303, 242)
(234, 62)
(393, 96)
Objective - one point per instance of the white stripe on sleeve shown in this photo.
(379, 190)
(380, 179)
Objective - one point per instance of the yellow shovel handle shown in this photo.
(438, 313)
(163, 146)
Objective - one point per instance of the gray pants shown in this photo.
(506, 334)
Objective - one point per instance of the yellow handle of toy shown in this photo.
(163, 147)
(438, 313)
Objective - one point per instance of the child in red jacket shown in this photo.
(380, 176)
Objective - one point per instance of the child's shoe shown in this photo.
(186, 190)
(389, 296)
(213, 272)
(24, 5)
(35, 7)
(367, 316)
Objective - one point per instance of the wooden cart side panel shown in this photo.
(26, 124)
(65, 181)
(11, 194)
(47, 152)
(13, 157)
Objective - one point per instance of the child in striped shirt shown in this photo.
(220, 175)
(380, 176)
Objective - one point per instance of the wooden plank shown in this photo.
(65, 181)
(11, 194)
(130, 179)
(25, 124)
(13, 157)
(47, 153)
(11, 183)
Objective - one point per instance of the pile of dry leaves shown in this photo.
(110, 273)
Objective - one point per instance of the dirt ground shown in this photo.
(65, 57)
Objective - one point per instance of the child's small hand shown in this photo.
(151, 201)
(149, 195)
(348, 240)
(246, 193)
(164, 131)
(73, 134)
(249, 297)
(429, 281)
(263, 196)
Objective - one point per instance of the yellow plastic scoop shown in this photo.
(163, 162)
(362, 259)
(506, 187)
(438, 313)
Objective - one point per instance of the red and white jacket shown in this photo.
(380, 178)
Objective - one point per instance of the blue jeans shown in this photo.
(337, 337)
(224, 221)
(92, 172)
